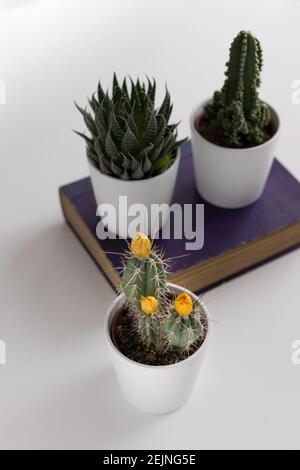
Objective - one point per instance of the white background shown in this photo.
(58, 389)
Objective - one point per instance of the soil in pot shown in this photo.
(127, 341)
(216, 135)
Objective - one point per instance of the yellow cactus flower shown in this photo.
(141, 245)
(183, 304)
(149, 304)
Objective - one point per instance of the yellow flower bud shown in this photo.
(149, 304)
(183, 304)
(141, 245)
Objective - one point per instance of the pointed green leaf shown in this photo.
(126, 163)
(138, 173)
(129, 143)
(150, 131)
(151, 90)
(93, 103)
(100, 123)
(111, 149)
(101, 93)
(90, 123)
(147, 165)
(116, 169)
(155, 153)
(81, 110)
(85, 137)
(98, 146)
(165, 107)
(161, 129)
(116, 130)
(161, 164)
(117, 92)
(125, 89)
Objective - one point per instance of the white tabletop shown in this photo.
(57, 389)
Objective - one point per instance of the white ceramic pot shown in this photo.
(155, 389)
(231, 178)
(110, 194)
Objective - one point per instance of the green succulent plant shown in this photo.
(237, 109)
(130, 138)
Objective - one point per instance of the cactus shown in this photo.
(159, 321)
(183, 327)
(130, 139)
(144, 277)
(237, 109)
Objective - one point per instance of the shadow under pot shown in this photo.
(231, 178)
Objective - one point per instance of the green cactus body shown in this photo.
(237, 109)
(182, 332)
(130, 138)
(153, 305)
(144, 277)
(150, 331)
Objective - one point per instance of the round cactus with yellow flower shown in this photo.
(183, 304)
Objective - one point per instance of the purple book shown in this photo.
(235, 240)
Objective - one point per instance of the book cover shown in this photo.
(234, 240)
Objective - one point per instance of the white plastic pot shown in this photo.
(228, 177)
(156, 190)
(155, 389)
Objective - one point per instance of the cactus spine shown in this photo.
(144, 276)
(237, 109)
(159, 321)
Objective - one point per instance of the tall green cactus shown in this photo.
(237, 109)
(145, 285)
(144, 277)
(159, 321)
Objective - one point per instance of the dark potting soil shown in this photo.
(216, 135)
(127, 341)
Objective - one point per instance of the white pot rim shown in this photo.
(144, 180)
(162, 367)
(196, 111)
